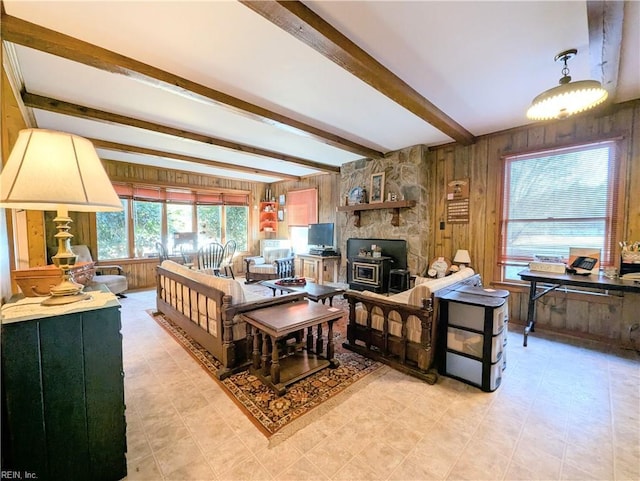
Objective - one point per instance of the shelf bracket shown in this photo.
(395, 218)
(356, 218)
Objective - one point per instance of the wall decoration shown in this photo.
(458, 201)
(357, 195)
(281, 199)
(280, 215)
(439, 267)
(377, 188)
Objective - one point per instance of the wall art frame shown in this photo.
(376, 192)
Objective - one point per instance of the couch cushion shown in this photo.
(271, 255)
(425, 286)
(226, 285)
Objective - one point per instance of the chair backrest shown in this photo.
(163, 255)
(229, 251)
(210, 256)
(82, 252)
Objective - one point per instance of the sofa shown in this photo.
(276, 260)
(207, 307)
(400, 330)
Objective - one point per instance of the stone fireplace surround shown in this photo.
(406, 174)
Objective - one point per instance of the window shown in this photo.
(236, 219)
(179, 219)
(174, 217)
(147, 226)
(209, 224)
(557, 199)
(113, 242)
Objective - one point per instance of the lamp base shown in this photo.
(62, 300)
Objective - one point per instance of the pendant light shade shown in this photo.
(568, 98)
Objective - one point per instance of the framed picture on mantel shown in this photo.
(377, 188)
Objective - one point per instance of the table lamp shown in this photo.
(49, 170)
(462, 258)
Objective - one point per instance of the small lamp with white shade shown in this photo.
(50, 170)
(462, 258)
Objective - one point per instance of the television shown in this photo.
(320, 235)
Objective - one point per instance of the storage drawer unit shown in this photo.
(472, 336)
(502, 293)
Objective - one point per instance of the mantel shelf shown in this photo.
(395, 205)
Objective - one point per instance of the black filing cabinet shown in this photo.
(63, 412)
(472, 336)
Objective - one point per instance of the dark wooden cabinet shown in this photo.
(63, 390)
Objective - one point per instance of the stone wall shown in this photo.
(407, 175)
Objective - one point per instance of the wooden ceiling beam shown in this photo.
(300, 21)
(605, 19)
(115, 146)
(34, 36)
(80, 111)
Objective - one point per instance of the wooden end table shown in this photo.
(315, 292)
(279, 322)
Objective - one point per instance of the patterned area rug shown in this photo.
(276, 414)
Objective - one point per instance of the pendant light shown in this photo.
(568, 98)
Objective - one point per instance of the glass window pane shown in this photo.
(555, 200)
(147, 225)
(179, 219)
(299, 239)
(237, 226)
(113, 239)
(209, 224)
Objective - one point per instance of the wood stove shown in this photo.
(369, 273)
(372, 273)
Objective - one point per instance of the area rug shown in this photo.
(280, 416)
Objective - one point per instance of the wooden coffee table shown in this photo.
(270, 326)
(315, 292)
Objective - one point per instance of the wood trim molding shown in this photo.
(67, 108)
(104, 144)
(605, 20)
(34, 36)
(300, 21)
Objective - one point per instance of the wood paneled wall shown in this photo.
(482, 163)
(594, 316)
(328, 186)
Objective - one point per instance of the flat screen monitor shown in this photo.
(320, 235)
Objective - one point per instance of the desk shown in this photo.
(277, 323)
(318, 263)
(556, 280)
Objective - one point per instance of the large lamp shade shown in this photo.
(48, 169)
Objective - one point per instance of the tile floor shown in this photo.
(564, 411)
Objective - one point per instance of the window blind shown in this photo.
(131, 191)
(557, 199)
(302, 207)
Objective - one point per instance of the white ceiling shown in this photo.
(480, 63)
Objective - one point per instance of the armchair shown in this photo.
(111, 276)
(275, 262)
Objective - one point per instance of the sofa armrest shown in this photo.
(254, 260)
(386, 303)
(100, 270)
(234, 309)
(285, 267)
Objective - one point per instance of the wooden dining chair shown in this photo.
(210, 257)
(226, 267)
(163, 254)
